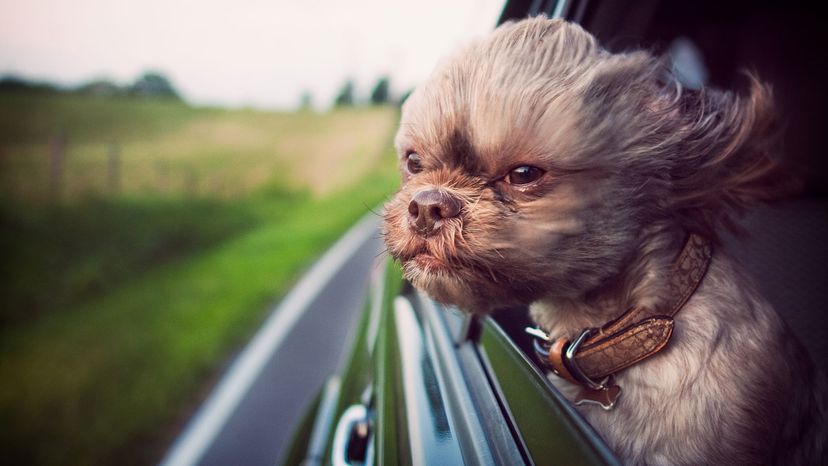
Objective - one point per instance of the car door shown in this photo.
(428, 384)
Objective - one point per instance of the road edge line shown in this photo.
(212, 415)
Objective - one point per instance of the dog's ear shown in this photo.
(726, 157)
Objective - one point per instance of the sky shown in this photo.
(251, 53)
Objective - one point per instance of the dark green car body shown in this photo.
(436, 386)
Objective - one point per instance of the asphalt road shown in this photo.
(257, 427)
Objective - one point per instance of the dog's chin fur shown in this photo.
(631, 164)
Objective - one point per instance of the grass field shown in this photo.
(121, 305)
(171, 149)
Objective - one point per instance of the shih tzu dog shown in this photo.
(539, 169)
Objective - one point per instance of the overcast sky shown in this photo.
(260, 53)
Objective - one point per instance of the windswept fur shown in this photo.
(631, 162)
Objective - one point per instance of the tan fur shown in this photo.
(632, 163)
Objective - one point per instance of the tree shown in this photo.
(379, 96)
(306, 100)
(100, 87)
(154, 84)
(404, 97)
(345, 97)
(17, 83)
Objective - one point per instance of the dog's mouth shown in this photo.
(439, 255)
(455, 279)
(429, 262)
(422, 258)
(426, 263)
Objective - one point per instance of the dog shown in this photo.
(540, 169)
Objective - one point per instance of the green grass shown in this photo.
(91, 247)
(100, 381)
(120, 310)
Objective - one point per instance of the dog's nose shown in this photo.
(428, 207)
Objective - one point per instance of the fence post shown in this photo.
(162, 172)
(57, 155)
(192, 182)
(114, 168)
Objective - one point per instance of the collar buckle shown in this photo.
(603, 393)
(575, 369)
(543, 344)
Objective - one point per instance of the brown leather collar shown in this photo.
(597, 354)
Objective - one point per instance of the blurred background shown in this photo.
(167, 171)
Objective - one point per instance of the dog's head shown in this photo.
(532, 160)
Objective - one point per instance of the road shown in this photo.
(249, 417)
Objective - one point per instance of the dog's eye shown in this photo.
(413, 163)
(523, 175)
